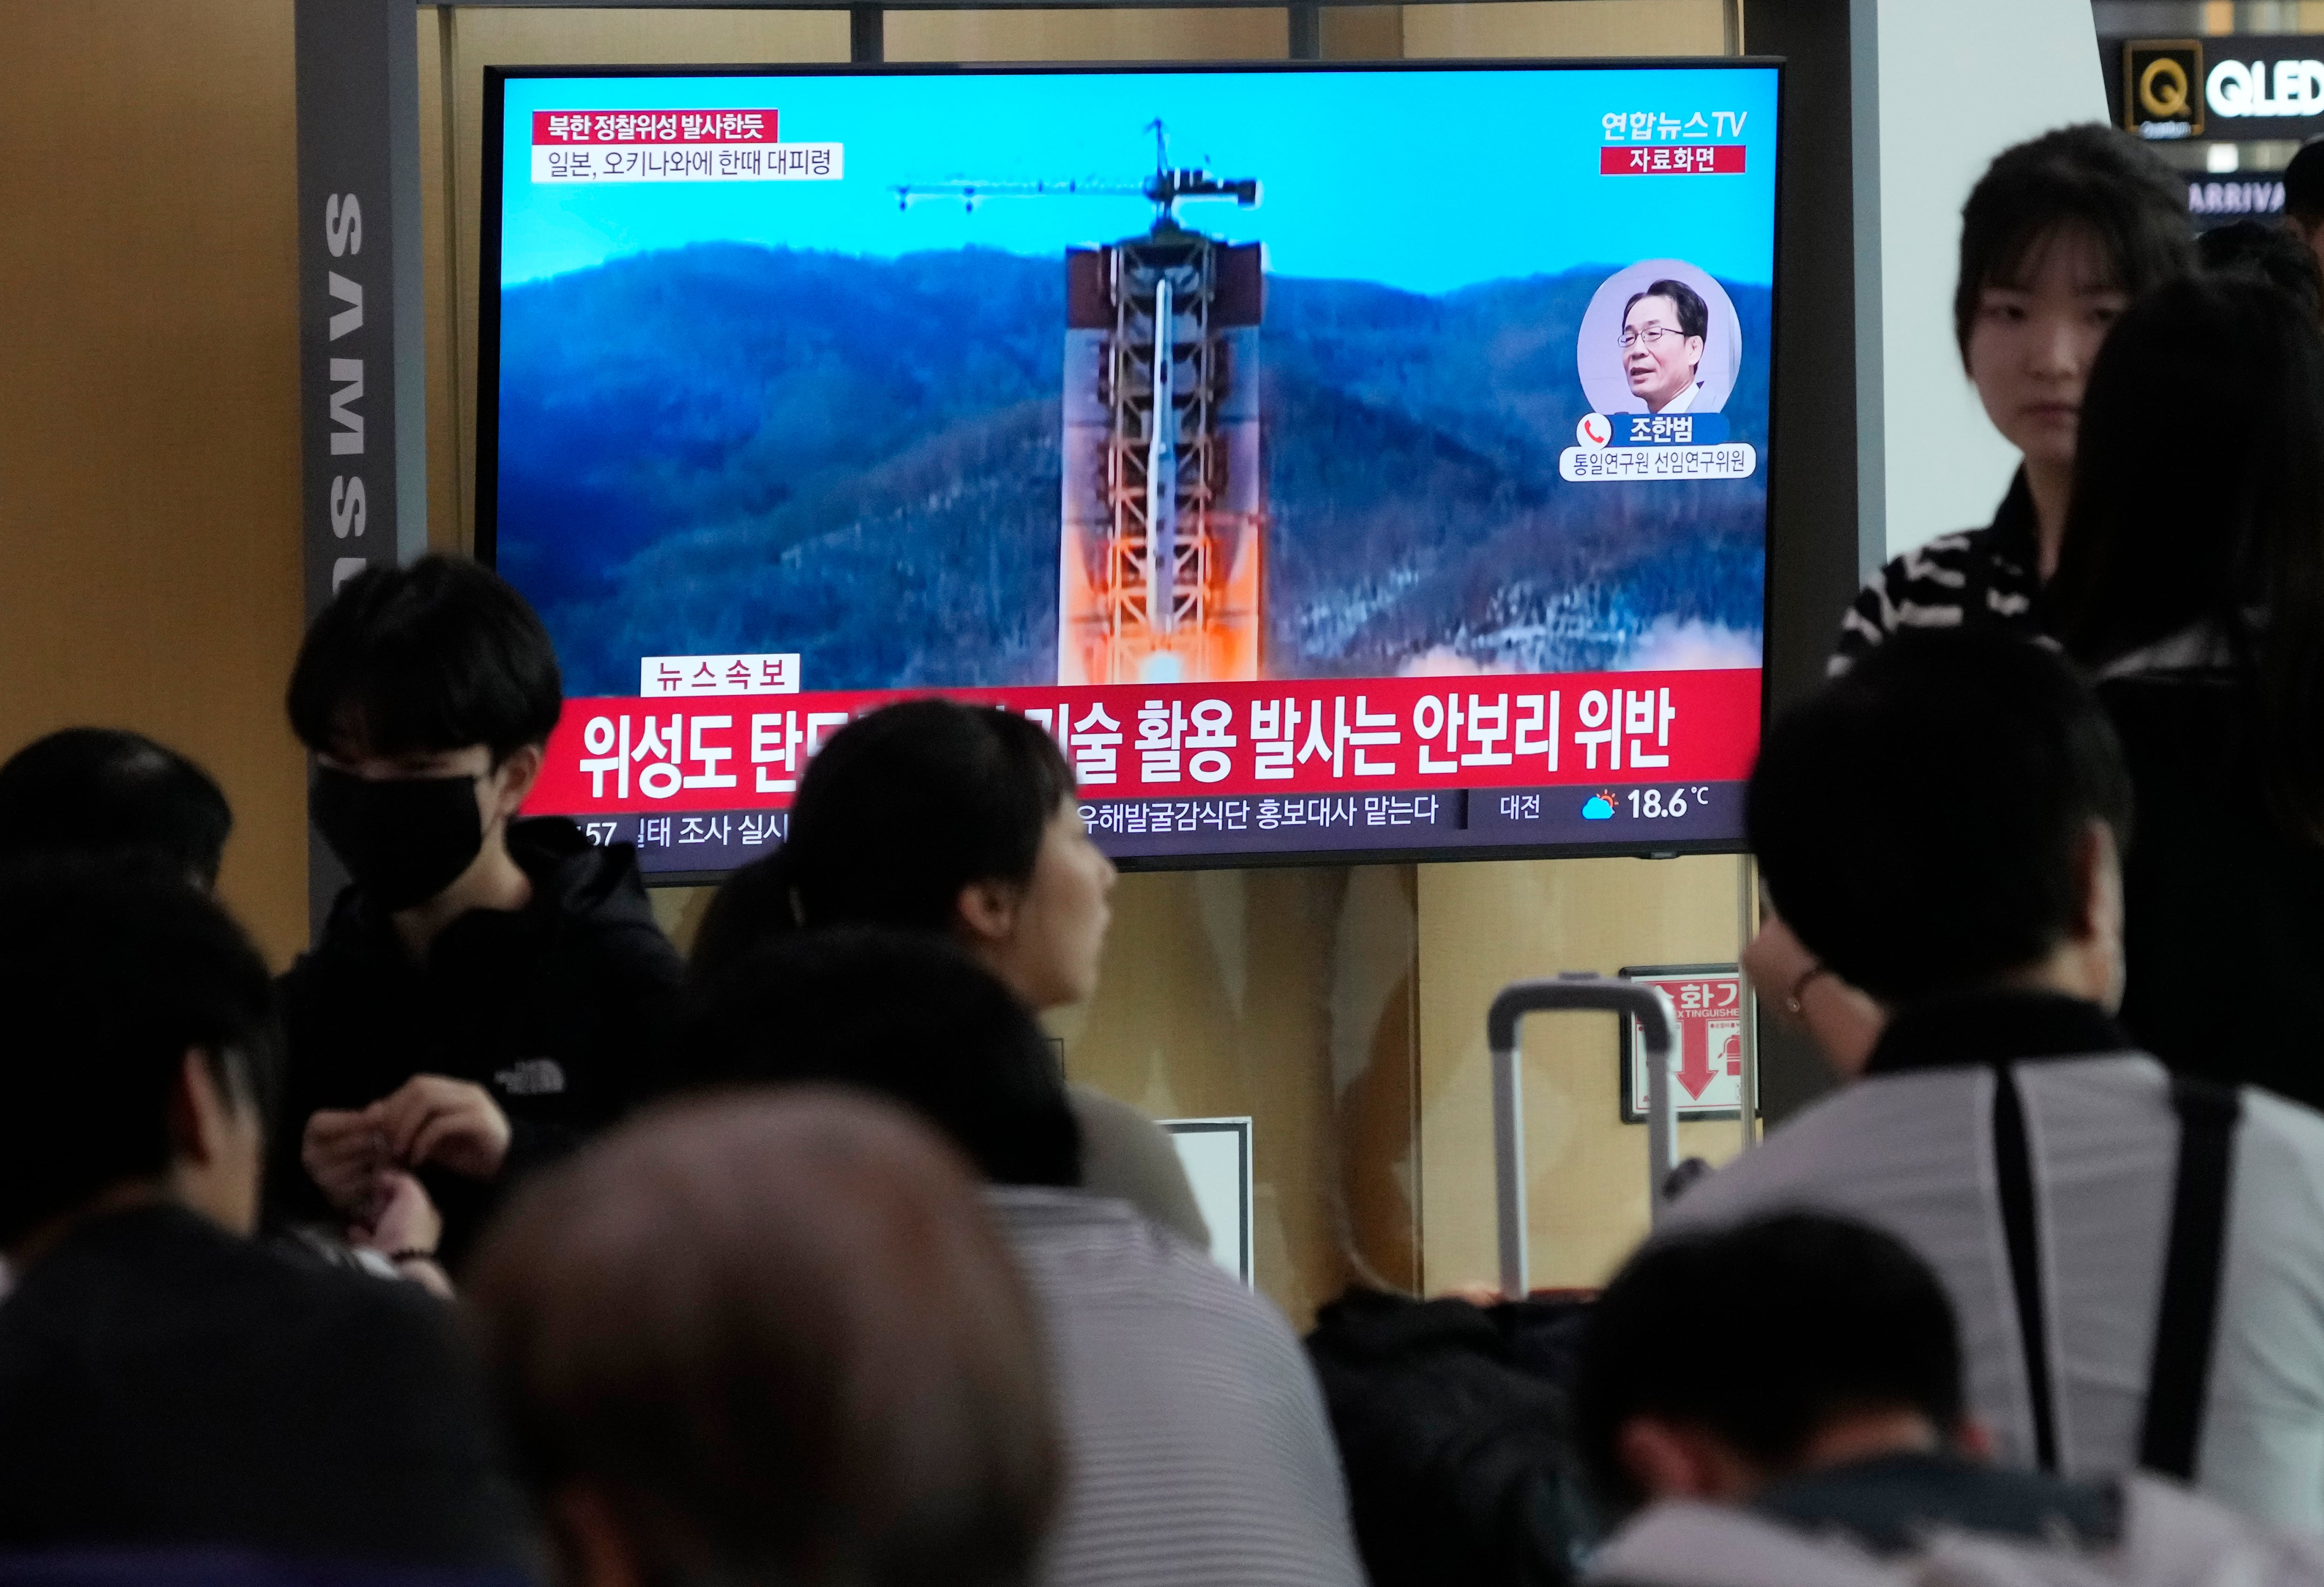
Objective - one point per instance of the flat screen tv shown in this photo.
(1355, 462)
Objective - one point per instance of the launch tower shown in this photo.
(1164, 525)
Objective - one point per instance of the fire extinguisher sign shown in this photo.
(1707, 1068)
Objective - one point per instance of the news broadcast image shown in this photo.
(1336, 462)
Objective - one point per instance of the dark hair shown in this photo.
(2304, 183)
(2199, 499)
(109, 975)
(107, 791)
(783, 1343)
(1827, 1315)
(437, 656)
(2265, 253)
(899, 811)
(1920, 819)
(2090, 178)
(903, 1014)
(1693, 314)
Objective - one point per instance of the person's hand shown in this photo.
(453, 1123)
(402, 1218)
(345, 1152)
(404, 1226)
(1842, 1022)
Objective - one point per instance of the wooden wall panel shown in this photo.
(1258, 34)
(149, 401)
(1572, 27)
(1483, 925)
(1286, 995)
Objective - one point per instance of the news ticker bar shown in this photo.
(1241, 825)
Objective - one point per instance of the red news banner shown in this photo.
(733, 753)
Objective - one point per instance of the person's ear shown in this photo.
(199, 1112)
(1678, 1459)
(517, 775)
(590, 1543)
(1974, 1441)
(2098, 909)
(988, 910)
(2098, 867)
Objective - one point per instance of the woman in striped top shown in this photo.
(2057, 237)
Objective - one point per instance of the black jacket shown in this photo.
(560, 1009)
(165, 1384)
(2223, 909)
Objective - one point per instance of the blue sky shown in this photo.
(1424, 180)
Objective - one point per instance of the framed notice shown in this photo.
(1216, 1155)
(1707, 1065)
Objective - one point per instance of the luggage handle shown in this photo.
(1576, 989)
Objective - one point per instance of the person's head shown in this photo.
(1846, 1343)
(2303, 195)
(930, 816)
(107, 791)
(138, 1044)
(770, 1337)
(1664, 328)
(1947, 816)
(2265, 253)
(2199, 499)
(901, 1013)
(2057, 238)
(426, 694)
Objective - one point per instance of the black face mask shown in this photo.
(404, 840)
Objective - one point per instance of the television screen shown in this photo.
(1348, 461)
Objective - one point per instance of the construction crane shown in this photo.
(1162, 541)
(1164, 190)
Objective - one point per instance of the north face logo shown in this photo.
(532, 1077)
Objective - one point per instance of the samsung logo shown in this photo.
(344, 420)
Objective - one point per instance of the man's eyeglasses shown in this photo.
(1653, 333)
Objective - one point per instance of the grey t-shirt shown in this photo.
(1197, 1452)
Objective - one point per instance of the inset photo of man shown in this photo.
(1662, 331)
(1659, 337)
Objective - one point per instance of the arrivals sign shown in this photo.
(2240, 88)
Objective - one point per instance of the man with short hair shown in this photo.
(1941, 828)
(106, 790)
(164, 1381)
(771, 1337)
(1664, 330)
(1780, 1403)
(491, 989)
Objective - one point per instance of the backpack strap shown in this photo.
(2013, 1166)
(2186, 1323)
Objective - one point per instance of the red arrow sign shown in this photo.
(1695, 1055)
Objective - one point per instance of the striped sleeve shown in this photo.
(1936, 586)
(1199, 1452)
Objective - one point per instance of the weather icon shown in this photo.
(1598, 806)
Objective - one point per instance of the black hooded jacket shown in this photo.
(560, 1009)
